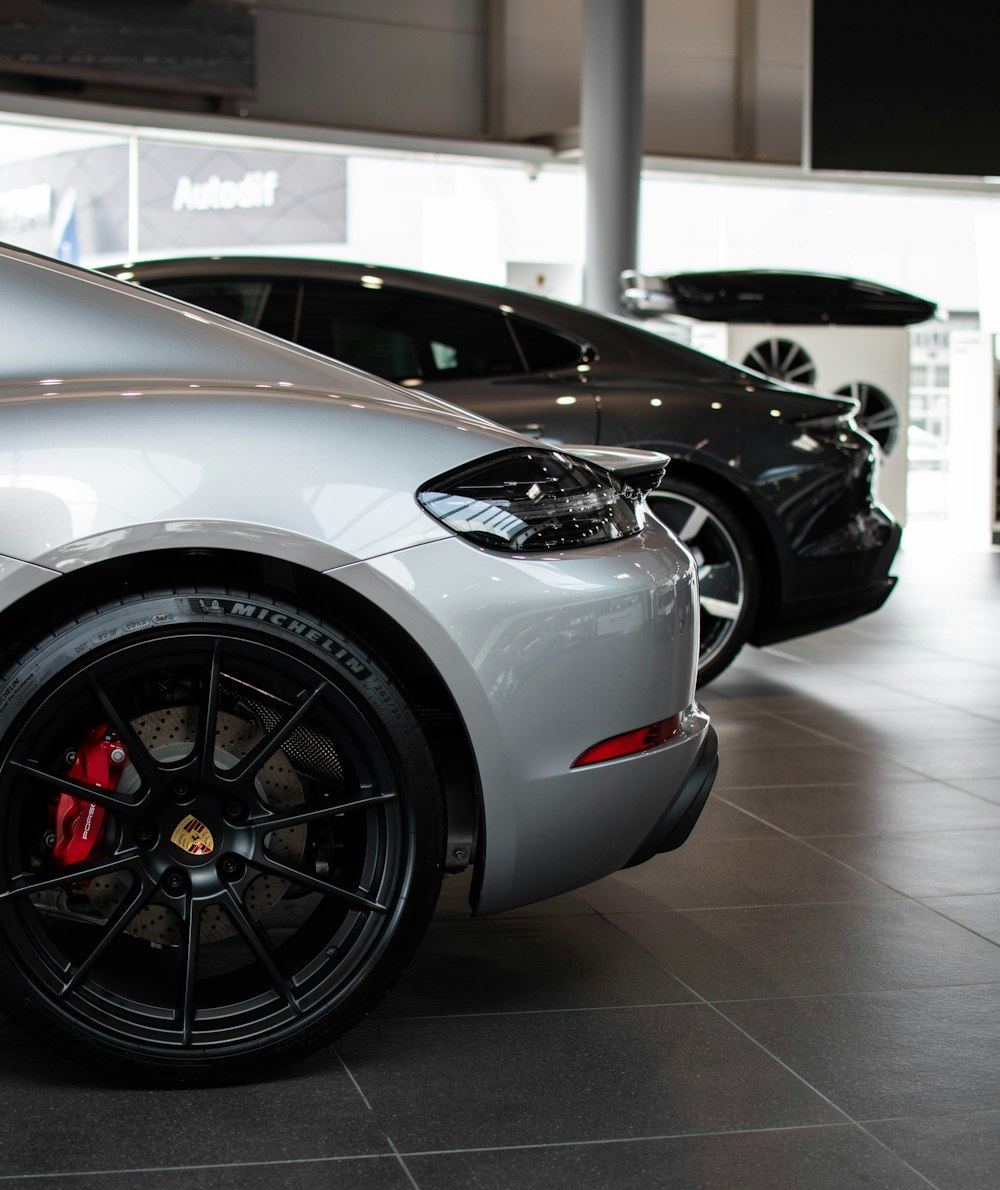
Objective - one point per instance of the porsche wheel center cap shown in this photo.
(193, 837)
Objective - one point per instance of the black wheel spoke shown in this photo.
(23, 885)
(142, 762)
(137, 898)
(277, 822)
(91, 793)
(356, 899)
(190, 948)
(254, 867)
(725, 596)
(261, 948)
(204, 744)
(265, 748)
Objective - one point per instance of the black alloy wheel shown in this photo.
(782, 359)
(727, 570)
(876, 414)
(221, 836)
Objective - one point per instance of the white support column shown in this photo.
(611, 136)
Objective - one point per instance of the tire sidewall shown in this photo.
(61, 653)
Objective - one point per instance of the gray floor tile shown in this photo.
(374, 1173)
(731, 872)
(951, 863)
(834, 1158)
(924, 672)
(818, 764)
(949, 759)
(981, 914)
(987, 787)
(803, 950)
(50, 1124)
(978, 698)
(960, 1152)
(523, 964)
(720, 820)
(887, 1054)
(766, 731)
(896, 726)
(867, 808)
(539, 1078)
(815, 691)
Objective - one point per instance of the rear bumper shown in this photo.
(545, 657)
(679, 819)
(837, 587)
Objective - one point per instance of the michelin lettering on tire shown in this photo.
(331, 859)
(287, 622)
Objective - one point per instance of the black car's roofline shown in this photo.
(639, 345)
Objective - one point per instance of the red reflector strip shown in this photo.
(630, 742)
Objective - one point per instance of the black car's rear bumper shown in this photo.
(831, 589)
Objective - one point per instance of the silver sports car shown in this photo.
(282, 643)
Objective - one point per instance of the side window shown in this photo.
(406, 336)
(545, 350)
(269, 305)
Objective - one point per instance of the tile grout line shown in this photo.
(819, 851)
(784, 1065)
(354, 1082)
(151, 1169)
(559, 1144)
(699, 1003)
(835, 859)
(628, 1140)
(367, 1102)
(405, 1168)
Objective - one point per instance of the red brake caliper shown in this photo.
(79, 823)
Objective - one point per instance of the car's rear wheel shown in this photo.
(221, 835)
(727, 569)
(876, 415)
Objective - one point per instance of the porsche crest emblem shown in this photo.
(192, 836)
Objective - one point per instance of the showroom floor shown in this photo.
(805, 996)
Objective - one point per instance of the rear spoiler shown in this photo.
(640, 469)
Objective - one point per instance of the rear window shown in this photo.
(545, 350)
(269, 305)
(404, 335)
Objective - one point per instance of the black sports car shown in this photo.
(770, 486)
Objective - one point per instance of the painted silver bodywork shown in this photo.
(130, 423)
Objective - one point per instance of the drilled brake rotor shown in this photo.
(168, 735)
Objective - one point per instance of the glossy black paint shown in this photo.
(787, 461)
(764, 295)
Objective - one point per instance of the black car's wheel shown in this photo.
(221, 835)
(727, 570)
(876, 414)
(783, 359)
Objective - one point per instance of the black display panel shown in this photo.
(202, 46)
(906, 86)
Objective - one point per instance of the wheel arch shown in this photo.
(130, 576)
(770, 567)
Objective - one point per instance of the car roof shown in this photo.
(62, 322)
(372, 276)
(613, 334)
